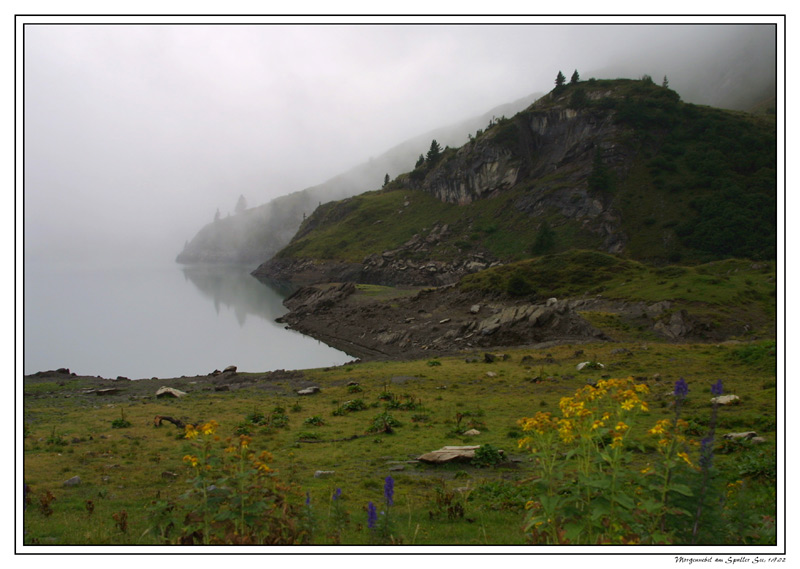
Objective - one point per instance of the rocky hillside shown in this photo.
(621, 166)
(260, 232)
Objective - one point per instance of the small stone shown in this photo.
(309, 390)
(551, 301)
(167, 475)
(222, 388)
(397, 468)
(475, 308)
(491, 374)
(472, 433)
(74, 481)
(726, 400)
(445, 321)
(324, 473)
(745, 435)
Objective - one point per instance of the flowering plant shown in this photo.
(235, 496)
(588, 492)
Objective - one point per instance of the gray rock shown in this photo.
(229, 369)
(324, 473)
(309, 390)
(745, 435)
(592, 365)
(169, 392)
(475, 308)
(74, 481)
(726, 400)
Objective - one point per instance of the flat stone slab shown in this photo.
(726, 400)
(449, 454)
(169, 392)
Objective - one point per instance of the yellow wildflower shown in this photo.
(209, 428)
(191, 432)
(190, 459)
(646, 470)
(685, 458)
(244, 441)
(628, 404)
(621, 427)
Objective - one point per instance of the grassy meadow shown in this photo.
(264, 465)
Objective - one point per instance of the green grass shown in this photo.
(122, 469)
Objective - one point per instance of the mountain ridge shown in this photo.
(588, 166)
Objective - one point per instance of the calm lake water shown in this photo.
(163, 321)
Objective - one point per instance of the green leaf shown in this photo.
(602, 483)
(572, 531)
(550, 503)
(681, 489)
(624, 500)
(651, 506)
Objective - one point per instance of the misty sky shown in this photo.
(135, 134)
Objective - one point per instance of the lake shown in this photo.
(159, 321)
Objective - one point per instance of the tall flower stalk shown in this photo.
(707, 456)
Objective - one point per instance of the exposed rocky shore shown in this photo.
(446, 320)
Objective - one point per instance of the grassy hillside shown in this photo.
(139, 483)
(699, 185)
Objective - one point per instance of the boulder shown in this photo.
(726, 400)
(309, 390)
(169, 392)
(229, 369)
(471, 433)
(589, 365)
(107, 391)
(450, 454)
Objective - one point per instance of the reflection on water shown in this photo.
(233, 287)
(159, 321)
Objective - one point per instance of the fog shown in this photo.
(134, 135)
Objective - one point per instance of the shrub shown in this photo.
(486, 455)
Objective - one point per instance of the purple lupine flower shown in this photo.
(388, 490)
(372, 516)
(308, 499)
(681, 389)
(716, 389)
(337, 494)
(706, 452)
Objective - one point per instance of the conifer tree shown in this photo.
(575, 77)
(241, 205)
(560, 79)
(434, 152)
